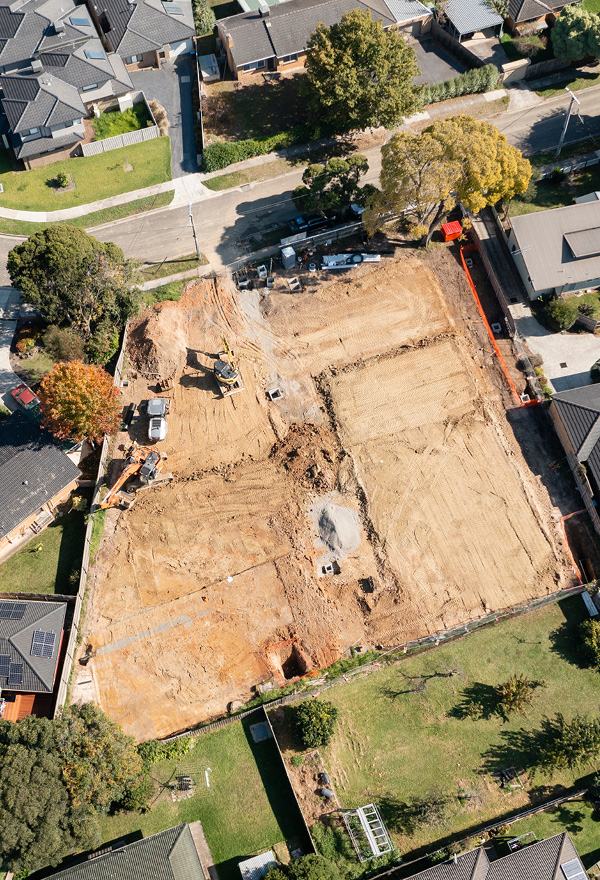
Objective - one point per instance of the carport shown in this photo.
(467, 17)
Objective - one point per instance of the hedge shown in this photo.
(479, 79)
(221, 154)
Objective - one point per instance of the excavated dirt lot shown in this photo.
(389, 456)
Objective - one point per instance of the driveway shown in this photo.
(172, 87)
(10, 301)
(435, 62)
(568, 357)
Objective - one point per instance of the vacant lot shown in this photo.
(387, 454)
(247, 809)
(401, 735)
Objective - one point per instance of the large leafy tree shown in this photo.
(79, 401)
(204, 17)
(457, 160)
(331, 186)
(576, 34)
(358, 75)
(314, 722)
(74, 280)
(569, 743)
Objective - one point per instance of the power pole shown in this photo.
(198, 252)
(566, 125)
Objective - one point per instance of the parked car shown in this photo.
(157, 429)
(310, 223)
(24, 396)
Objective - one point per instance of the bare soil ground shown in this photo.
(391, 418)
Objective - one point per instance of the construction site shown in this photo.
(339, 470)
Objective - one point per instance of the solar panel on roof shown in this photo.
(573, 870)
(15, 673)
(4, 664)
(12, 610)
(93, 53)
(42, 644)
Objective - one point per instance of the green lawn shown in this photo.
(171, 291)
(577, 817)
(550, 194)
(247, 809)
(115, 122)
(171, 267)
(576, 81)
(36, 367)
(591, 6)
(52, 569)
(95, 177)
(400, 734)
(536, 47)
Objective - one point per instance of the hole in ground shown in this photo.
(288, 660)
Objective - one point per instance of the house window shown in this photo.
(254, 65)
(133, 59)
(90, 87)
(287, 58)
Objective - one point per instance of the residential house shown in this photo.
(552, 859)
(60, 60)
(576, 417)
(274, 38)
(557, 251)
(36, 476)
(533, 14)
(31, 637)
(168, 855)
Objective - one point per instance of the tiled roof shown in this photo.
(289, 25)
(143, 25)
(16, 640)
(528, 10)
(468, 16)
(169, 855)
(42, 146)
(32, 100)
(33, 470)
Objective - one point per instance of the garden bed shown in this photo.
(114, 122)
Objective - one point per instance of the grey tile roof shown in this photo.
(528, 10)
(579, 412)
(143, 25)
(539, 861)
(33, 100)
(42, 146)
(289, 25)
(16, 637)
(549, 260)
(169, 855)
(471, 15)
(32, 470)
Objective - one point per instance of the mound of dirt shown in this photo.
(339, 528)
(158, 340)
(310, 455)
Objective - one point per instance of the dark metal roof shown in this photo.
(16, 638)
(169, 855)
(289, 25)
(579, 411)
(33, 470)
(468, 16)
(539, 861)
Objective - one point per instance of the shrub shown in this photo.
(63, 344)
(223, 153)
(137, 797)
(4, 412)
(62, 179)
(479, 79)
(103, 344)
(561, 314)
(516, 694)
(589, 634)
(558, 175)
(154, 750)
(314, 722)
(536, 360)
(25, 344)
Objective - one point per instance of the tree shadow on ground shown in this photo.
(479, 700)
(407, 816)
(565, 640)
(416, 684)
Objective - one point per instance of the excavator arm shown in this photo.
(133, 465)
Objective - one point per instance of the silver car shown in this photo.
(157, 429)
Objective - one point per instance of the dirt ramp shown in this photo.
(158, 340)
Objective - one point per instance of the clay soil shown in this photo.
(391, 408)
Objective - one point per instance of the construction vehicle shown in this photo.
(141, 462)
(226, 371)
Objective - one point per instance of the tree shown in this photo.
(458, 160)
(101, 765)
(576, 34)
(516, 694)
(331, 186)
(74, 280)
(63, 344)
(568, 744)
(589, 634)
(358, 75)
(204, 17)
(79, 401)
(314, 722)
(40, 823)
(561, 314)
(311, 867)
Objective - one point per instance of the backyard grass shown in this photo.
(95, 177)
(576, 81)
(401, 734)
(550, 194)
(116, 122)
(171, 291)
(591, 6)
(247, 809)
(36, 367)
(50, 562)
(578, 817)
(255, 110)
(171, 267)
(536, 47)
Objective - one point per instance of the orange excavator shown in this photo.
(142, 462)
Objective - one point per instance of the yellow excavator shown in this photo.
(141, 461)
(226, 371)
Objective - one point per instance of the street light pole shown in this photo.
(566, 125)
(198, 253)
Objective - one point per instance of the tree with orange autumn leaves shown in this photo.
(79, 401)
